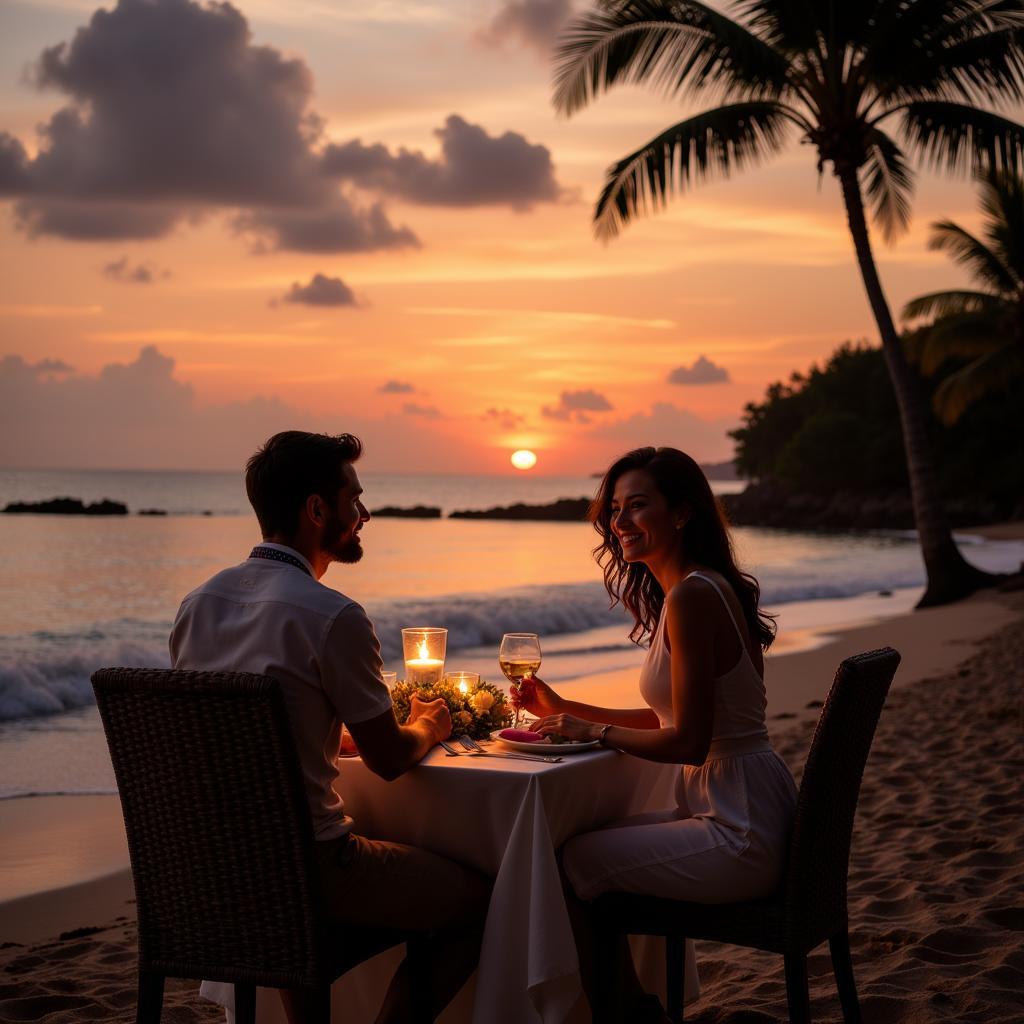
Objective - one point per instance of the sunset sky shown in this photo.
(218, 222)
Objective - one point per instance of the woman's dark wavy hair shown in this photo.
(705, 537)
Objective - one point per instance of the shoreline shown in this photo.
(86, 859)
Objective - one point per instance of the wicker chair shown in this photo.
(221, 842)
(810, 907)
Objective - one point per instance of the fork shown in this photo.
(476, 750)
(449, 749)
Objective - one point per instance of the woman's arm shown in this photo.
(627, 718)
(538, 698)
(691, 624)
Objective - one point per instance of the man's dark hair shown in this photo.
(290, 467)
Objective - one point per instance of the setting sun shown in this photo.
(524, 459)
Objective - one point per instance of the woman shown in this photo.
(667, 557)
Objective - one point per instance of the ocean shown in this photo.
(83, 592)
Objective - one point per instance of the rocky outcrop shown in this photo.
(416, 512)
(67, 507)
(769, 503)
(563, 510)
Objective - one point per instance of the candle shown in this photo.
(424, 655)
(464, 681)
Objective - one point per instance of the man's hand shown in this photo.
(435, 713)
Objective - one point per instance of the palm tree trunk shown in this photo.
(949, 576)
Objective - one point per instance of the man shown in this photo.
(271, 615)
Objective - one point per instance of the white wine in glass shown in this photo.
(519, 658)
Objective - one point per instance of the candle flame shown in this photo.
(464, 687)
(424, 653)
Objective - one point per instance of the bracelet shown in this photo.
(602, 733)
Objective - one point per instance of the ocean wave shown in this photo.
(476, 620)
(46, 673)
(47, 681)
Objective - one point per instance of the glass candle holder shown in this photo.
(464, 682)
(424, 649)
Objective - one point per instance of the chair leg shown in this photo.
(418, 960)
(150, 999)
(311, 1005)
(245, 1004)
(842, 965)
(796, 989)
(605, 995)
(675, 950)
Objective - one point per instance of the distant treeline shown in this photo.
(828, 443)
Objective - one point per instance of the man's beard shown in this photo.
(348, 550)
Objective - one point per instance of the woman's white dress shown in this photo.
(726, 840)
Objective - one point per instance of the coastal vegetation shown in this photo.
(866, 86)
(823, 449)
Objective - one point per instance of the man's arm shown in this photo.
(389, 749)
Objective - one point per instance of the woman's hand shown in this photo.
(535, 696)
(570, 727)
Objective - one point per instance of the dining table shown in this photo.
(507, 818)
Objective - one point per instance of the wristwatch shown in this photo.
(602, 733)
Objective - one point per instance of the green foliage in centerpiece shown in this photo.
(478, 712)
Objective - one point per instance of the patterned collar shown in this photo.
(276, 555)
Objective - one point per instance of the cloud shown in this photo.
(14, 177)
(396, 387)
(576, 405)
(474, 169)
(141, 273)
(44, 366)
(505, 418)
(703, 371)
(138, 413)
(321, 291)
(428, 412)
(340, 227)
(667, 424)
(173, 113)
(532, 23)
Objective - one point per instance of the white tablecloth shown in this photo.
(506, 819)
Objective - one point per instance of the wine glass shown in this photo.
(519, 658)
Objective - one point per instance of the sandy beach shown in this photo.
(936, 876)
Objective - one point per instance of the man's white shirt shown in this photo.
(272, 618)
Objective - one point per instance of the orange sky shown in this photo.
(494, 315)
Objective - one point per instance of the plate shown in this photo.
(546, 749)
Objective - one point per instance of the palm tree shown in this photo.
(840, 73)
(984, 326)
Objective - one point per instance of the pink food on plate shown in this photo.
(521, 736)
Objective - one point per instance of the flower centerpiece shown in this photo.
(477, 710)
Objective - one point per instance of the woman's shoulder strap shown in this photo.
(728, 607)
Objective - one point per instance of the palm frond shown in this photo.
(1002, 201)
(972, 253)
(789, 24)
(963, 336)
(998, 370)
(951, 303)
(888, 183)
(673, 45)
(952, 51)
(959, 137)
(727, 138)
